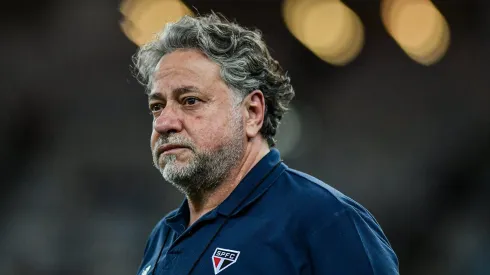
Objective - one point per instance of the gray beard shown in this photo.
(206, 170)
(203, 174)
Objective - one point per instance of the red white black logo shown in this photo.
(223, 258)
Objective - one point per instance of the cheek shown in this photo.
(212, 133)
(154, 138)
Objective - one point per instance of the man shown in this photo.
(217, 97)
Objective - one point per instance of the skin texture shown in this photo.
(216, 134)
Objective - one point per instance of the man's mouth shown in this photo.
(170, 148)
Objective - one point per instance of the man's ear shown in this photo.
(254, 105)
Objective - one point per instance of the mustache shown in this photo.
(175, 140)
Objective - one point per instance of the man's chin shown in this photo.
(177, 176)
(175, 167)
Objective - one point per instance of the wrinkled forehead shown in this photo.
(185, 66)
(188, 70)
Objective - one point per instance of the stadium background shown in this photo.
(408, 141)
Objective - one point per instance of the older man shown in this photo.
(217, 97)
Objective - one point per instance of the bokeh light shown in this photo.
(328, 28)
(144, 18)
(418, 27)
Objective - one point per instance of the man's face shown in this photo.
(198, 129)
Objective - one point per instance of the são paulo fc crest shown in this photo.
(223, 258)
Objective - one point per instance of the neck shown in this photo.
(198, 207)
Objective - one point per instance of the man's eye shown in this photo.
(190, 101)
(156, 107)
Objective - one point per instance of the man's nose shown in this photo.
(169, 121)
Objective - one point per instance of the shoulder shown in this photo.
(314, 200)
(315, 193)
(327, 216)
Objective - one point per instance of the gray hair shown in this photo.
(245, 62)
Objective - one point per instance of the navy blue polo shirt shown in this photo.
(276, 221)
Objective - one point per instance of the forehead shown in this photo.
(185, 68)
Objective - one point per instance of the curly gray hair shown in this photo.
(245, 62)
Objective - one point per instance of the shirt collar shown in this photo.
(179, 218)
(258, 178)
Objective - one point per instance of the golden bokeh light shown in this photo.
(145, 18)
(418, 27)
(328, 28)
(293, 13)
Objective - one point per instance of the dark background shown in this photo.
(80, 195)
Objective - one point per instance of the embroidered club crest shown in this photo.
(223, 258)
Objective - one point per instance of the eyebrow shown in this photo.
(175, 92)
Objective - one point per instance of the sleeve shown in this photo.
(353, 243)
